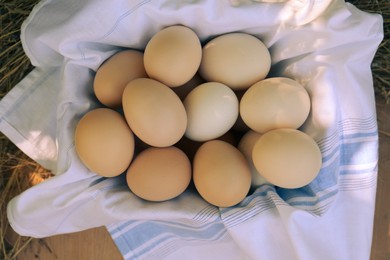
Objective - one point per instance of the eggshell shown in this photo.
(237, 60)
(159, 174)
(275, 103)
(212, 109)
(173, 55)
(221, 173)
(154, 112)
(104, 142)
(245, 146)
(113, 75)
(287, 158)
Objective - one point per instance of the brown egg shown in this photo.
(287, 158)
(221, 173)
(113, 75)
(159, 174)
(237, 60)
(154, 112)
(172, 56)
(275, 103)
(104, 142)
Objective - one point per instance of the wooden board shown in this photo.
(93, 244)
(381, 237)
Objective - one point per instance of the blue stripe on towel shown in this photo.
(349, 163)
(349, 154)
(143, 236)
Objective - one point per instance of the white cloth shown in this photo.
(326, 45)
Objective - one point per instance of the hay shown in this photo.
(381, 63)
(18, 172)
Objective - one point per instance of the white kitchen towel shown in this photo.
(327, 46)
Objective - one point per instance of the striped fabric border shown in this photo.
(157, 239)
(350, 157)
(349, 163)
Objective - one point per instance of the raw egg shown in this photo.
(173, 55)
(237, 60)
(287, 158)
(212, 109)
(275, 103)
(154, 112)
(112, 77)
(159, 174)
(221, 173)
(104, 142)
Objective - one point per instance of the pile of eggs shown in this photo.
(171, 115)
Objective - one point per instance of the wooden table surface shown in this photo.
(381, 239)
(96, 244)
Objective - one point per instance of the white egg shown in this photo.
(212, 109)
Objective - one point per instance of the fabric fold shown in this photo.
(329, 52)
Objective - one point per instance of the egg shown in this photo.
(104, 142)
(275, 103)
(287, 158)
(237, 60)
(159, 174)
(221, 174)
(173, 55)
(113, 75)
(212, 109)
(245, 146)
(154, 112)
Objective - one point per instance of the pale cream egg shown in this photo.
(275, 103)
(237, 60)
(287, 158)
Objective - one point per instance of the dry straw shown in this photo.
(18, 172)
